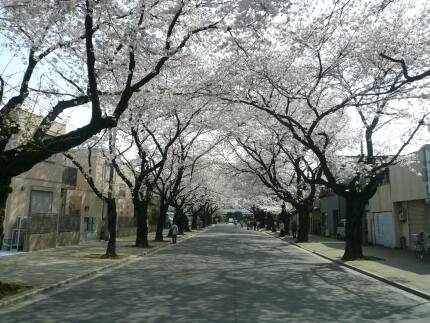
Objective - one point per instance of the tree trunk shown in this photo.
(112, 218)
(194, 222)
(141, 214)
(286, 220)
(205, 219)
(303, 230)
(5, 190)
(186, 224)
(161, 221)
(355, 206)
(178, 220)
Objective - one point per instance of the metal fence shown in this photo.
(69, 223)
(40, 223)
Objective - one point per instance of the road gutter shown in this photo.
(405, 288)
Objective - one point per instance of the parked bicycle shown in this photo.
(422, 246)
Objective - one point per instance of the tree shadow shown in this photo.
(233, 277)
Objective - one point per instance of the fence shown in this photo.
(69, 223)
(42, 223)
(48, 230)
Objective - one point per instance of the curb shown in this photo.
(405, 288)
(33, 293)
(118, 263)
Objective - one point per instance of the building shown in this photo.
(315, 218)
(52, 204)
(400, 207)
(33, 218)
(81, 200)
(333, 209)
(238, 214)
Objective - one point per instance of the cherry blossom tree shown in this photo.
(345, 62)
(265, 152)
(151, 134)
(95, 54)
(174, 185)
(83, 160)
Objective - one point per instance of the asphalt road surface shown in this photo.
(226, 274)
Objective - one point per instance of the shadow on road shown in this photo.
(226, 275)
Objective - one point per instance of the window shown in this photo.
(41, 202)
(70, 176)
(90, 223)
(384, 177)
(106, 173)
(122, 189)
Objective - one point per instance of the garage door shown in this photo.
(416, 216)
(384, 229)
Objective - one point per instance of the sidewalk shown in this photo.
(397, 267)
(47, 269)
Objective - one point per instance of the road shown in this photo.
(226, 274)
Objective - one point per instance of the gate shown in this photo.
(384, 229)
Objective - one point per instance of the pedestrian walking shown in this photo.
(281, 229)
(294, 228)
(255, 225)
(175, 231)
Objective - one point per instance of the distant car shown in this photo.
(230, 220)
(340, 230)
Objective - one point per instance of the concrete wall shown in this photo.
(381, 201)
(40, 241)
(68, 238)
(51, 240)
(406, 184)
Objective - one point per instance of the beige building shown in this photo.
(33, 210)
(81, 199)
(400, 206)
(52, 204)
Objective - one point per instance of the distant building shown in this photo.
(332, 209)
(236, 213)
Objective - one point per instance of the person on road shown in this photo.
(281, 229)
(175, 231)
(255, 225)
(294, 228)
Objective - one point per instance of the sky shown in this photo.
(11, 68)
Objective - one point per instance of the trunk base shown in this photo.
(159, 238)
(352, 253)
(142, 245)
(111, 250)
(302, 239)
